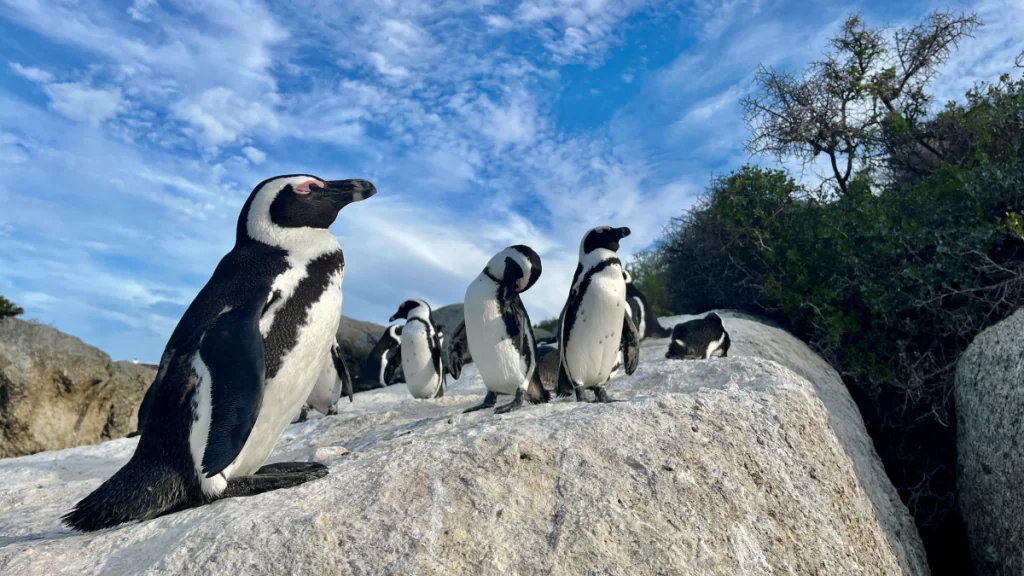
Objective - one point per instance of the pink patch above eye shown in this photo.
(304, 187)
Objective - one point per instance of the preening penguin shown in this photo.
(334, 380)
(241, 361)
(498, 331)
(699, 339)
(421, 350)
(594, 326)
(384, 364)
(640, 310)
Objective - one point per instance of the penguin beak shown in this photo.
(622, 232)
(345, 192)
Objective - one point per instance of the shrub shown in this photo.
(8, 309)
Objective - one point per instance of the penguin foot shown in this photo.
(602, 396)
(333, 410)
(489, 400)
(515, 404)
(275, 477)
(303, 415)
(580, 397)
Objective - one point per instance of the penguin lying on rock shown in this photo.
(422, 350)
(594, 326)
(498, 332)
(240, 363)
(699, 339)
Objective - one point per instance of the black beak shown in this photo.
(393, 317)
(348, 191)
(622, 232)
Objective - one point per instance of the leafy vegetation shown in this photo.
(893, 265)
(8, 309)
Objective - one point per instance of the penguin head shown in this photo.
(395, 332)
(411, 309)
(517, 267)
(627, 277)
(282, 210)
(680, 350)
(604, 237)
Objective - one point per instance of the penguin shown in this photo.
(548, 365)
(421, 350)
(699, 339)
(383, 366)
(242, 359)
(334, 380)
(594, 326)
(646, 322)
(498, 332)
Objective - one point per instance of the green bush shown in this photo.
(889, 281)
(8, 309)
(648, 272)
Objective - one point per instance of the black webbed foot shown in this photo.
(580, 396)
(489, 400)
(515, 404)
(275, 477)
(602, 396)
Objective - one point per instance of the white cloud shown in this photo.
(381, 64)
(76, 101)
(138, 9)
(31, 73)
(220, 115)
(255, 155)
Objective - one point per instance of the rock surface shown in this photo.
(56, 391)
(753, 464)
(989, 442)
(357, 338)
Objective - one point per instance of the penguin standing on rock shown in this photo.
(240, 363)
(498, 331)
(642, 314)
(384, 364)
(421, 350)
(334, 380)
(594, 326)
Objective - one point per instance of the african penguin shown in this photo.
(334, 380)
(699, 339)
(383, 365)
(594, 326)
(421, 350)
(643, 317)
(241, 361)
(498, 331)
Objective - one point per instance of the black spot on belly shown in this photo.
(294, 314)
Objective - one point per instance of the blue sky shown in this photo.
(131, 132)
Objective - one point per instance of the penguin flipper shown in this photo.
(232, 349)
(455, 351)
(393, 373)
(535, 392)
(630, 345)
(565, 387)
(342, 370)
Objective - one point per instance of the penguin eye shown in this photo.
(304, 187)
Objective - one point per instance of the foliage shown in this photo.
(865, 96)
(889, 281)
(550, 325)
(8, 309)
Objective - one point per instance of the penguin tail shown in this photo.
(140, 490)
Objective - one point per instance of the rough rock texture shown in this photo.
(448, 316)
(357, 338)
(56, 391)
(990, 446)
(734, 465)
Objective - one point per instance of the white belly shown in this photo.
(291, 386)
(327, 389)
(592, 347)
(417, 361)
(501, 367)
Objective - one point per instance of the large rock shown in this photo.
(738, 465)
(990, 446)
(56, 391)
(357, 338)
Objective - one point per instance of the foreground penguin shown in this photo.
(334, 380)
(421, 350)
(384, 364)
(241, 361)
(699, 339)
(640, 310)
(594, 326)
(498, 331)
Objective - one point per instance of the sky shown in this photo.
(131, 132)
